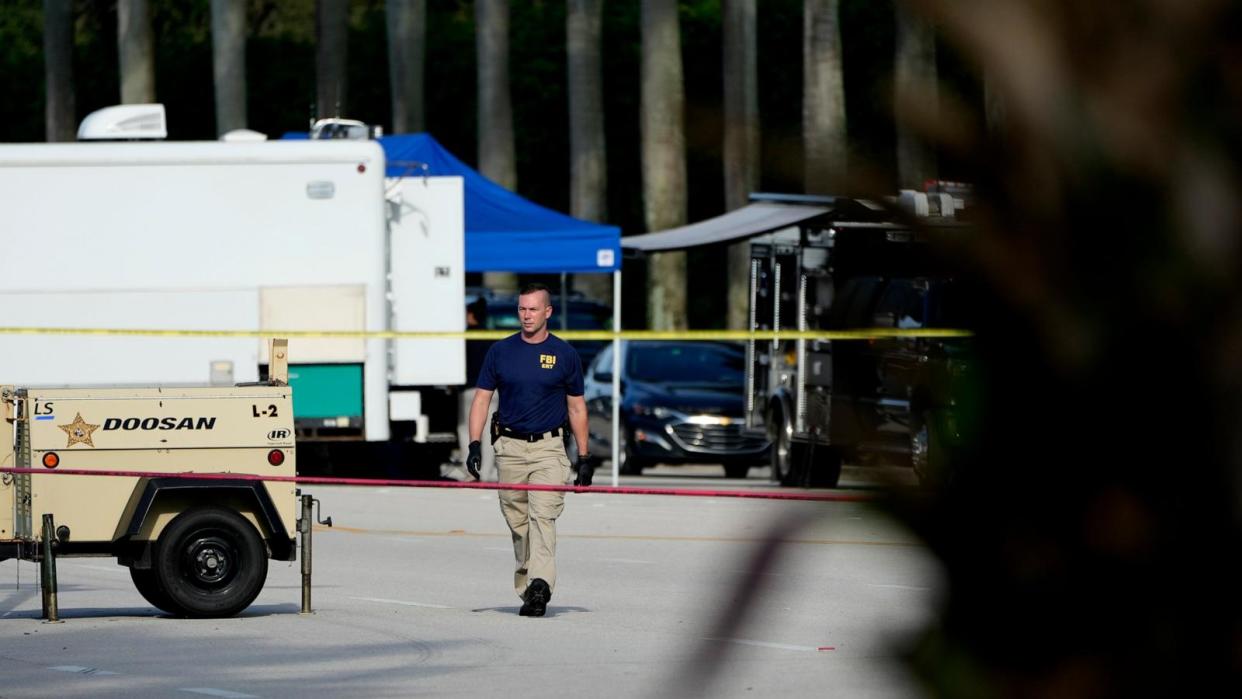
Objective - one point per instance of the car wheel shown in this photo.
(736, 470)
(149, 587)
(211, 562)
(630, 465)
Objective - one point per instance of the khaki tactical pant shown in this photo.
(531, 514)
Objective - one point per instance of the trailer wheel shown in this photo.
(211, 562)
(149, 587)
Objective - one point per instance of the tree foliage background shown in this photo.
(281, 90)
(1088, 535)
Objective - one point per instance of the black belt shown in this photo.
(533, 437)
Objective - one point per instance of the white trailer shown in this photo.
(236, 236)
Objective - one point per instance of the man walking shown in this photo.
(539, 377)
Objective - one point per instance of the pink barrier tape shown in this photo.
(318, 480)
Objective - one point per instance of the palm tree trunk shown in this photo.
(741, 141)
(496, 156)
(407, 33)
(331, 56)
(588, 156)
(664, 158)
(914, 97)
(228, 62)
(497, 161)
(501, 282)
(135, 51)
(59, 117)
(823, 98)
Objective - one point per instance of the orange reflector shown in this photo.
(275, 457)
(51, 459)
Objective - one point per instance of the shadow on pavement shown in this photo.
(552, 611)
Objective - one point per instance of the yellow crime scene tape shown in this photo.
(855, 334)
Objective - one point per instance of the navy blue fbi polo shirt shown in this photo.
(533, 380)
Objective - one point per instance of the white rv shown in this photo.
(237, 236)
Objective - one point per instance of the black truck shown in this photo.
(893, 401)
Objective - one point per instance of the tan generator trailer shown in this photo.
(195, 545)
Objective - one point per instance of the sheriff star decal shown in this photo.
(79, 431)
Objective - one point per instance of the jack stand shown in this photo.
(51, 610)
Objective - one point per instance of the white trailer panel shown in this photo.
(82, 360)
(427, 224)
(160, 235)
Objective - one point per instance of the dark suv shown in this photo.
(682, 402)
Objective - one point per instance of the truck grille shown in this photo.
(722, 439)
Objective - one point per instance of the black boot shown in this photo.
(537, 596)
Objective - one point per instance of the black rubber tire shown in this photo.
(736, 470)
(826, 470)
(211, 562)
(630, 465)
(151, 591)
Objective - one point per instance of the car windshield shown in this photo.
(686, 364)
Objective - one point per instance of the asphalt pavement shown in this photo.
(657, 596)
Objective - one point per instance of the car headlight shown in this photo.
(657, 411)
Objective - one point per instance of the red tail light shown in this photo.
(275, 457)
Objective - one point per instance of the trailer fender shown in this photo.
(154, 497)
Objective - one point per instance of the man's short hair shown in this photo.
(532, 287)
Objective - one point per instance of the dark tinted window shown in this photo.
(853, 304)
(950, 305)
(902, 305)
(686, 363)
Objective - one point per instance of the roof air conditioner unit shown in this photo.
(349, 129)
(125, 122)
(243, 136)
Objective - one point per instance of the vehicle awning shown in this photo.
(751, 220)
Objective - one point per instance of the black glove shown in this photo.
(585, 470)
(474, 459)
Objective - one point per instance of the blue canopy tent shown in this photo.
(504, 232)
